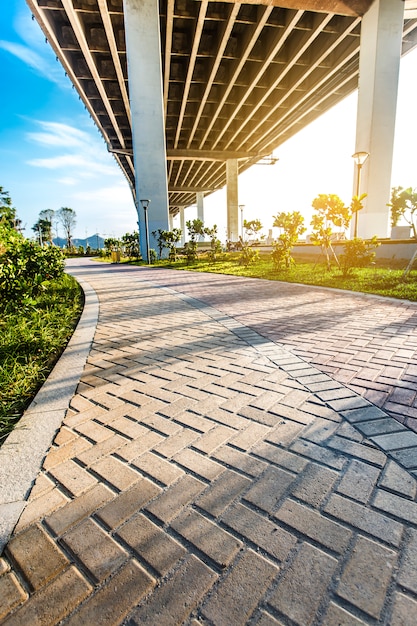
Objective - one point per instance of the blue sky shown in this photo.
(52, 155)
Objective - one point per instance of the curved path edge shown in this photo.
(24, 450)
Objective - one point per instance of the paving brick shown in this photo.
(314, 484)
(407, 458)
(284, 433)
(403, 509)
(127, 503)
(216, 437)
(74, 478)
(365, 519)
(248, 437)
(239, 461)
(260, 531)
(99, 450)
(269, 489)
(53, 602)
(337, 616)
(177, 442)
(128, 427)
(318, 453)
(222, 492)
(285, 459)
(158, 469)
(364, 414)
(396, 479)
(41, 507)
(267, 620)
(312, 524)
(175, 599)
(114, 601)
(358, 481)
(379, 427)
(366, 576)
(207, 537)
(236, 597)
(115, 472)
(199, 464)
(11, 593)
(161, 424)
(404, 611)
(358, 450)
(37, 556)
(93, 431)
(77, 509)
(407, 576)
(300, 591)
(135, 448)
(56, 456)
(95, 549)
(170, 502)
(151, 544)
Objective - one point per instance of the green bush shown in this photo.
(25, 268)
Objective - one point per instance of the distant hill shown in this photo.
(95, 242)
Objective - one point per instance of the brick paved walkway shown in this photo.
(228, 459)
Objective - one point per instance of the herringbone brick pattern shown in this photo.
(366, 343)
(204, 475)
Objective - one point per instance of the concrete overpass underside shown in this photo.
(238, 79)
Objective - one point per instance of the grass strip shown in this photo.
(31, 341)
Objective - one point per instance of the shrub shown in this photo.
(358, 253)
(25, 268)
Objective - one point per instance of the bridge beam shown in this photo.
(146, 102)
(380, 53)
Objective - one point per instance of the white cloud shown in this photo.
(68, 180)
(34, 60)
(59, 134)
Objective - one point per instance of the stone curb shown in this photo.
(24, 450)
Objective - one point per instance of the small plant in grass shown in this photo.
(293, 226)
(215, 243)
(404, 206)
(358, 253)
(330, 211)
(195, 231)
(130, 242)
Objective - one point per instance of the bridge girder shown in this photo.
(238, 78)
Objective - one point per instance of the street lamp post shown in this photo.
(241, 207)
(145, 204)
(360, 158)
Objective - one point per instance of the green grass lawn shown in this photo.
(31, 341)
(380, 279)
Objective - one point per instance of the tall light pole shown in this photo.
(360, 158)
(145, 204)
(241, 207)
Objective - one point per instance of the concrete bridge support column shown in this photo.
(146, 102)
(381, 37)
(182, 225)
(232, 200)
(200, 208)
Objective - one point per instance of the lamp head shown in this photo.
(360, 158)
(145, 203)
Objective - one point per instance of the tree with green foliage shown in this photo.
(130, 242)
(43, 230)
(172, 237)
(111, 244)
(355, 206)
(252, 228)
(293, 226)
(330, 212)
(68, 218)
(215, 243)
(195, 231)
(404, 206)
(7, 211)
